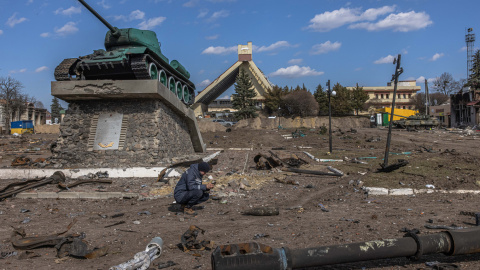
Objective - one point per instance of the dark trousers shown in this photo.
(193, 197)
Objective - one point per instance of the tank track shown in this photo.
(62, 71)
(139, 67)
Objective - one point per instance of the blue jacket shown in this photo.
(191, 180)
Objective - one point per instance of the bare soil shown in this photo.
(448, 160)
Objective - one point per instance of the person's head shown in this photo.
(203, 167)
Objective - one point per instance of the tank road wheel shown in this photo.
(179, 90)
(153, 71)
(186, 94)
(162, 77)
(171, 84)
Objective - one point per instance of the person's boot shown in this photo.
(182, 207)
(189, 211)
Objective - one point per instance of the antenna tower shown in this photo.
(470, 40)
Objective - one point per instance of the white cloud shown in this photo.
(436, 56)
(333, 19)
(12, 21)
(274, 46)
(203, 13)
(68, 28)
(29, 2)
(400, 22)
(40, 69)
(463, 49)
(296, 61)
(1, 31)
(225, 97)
(190, 3)
(220, 50)
(151, 23)
(220, 1)
(69, 11)
(218, 15)
(421, 79)
(385, 60)
(204, 83)
(44, 35)
(104, 4)
(296, 72)
(211, 37)
(23, 70)
(326, 47)
(136, 15)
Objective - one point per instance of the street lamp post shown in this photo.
(330, 93)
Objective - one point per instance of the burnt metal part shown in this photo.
(20, 184)
(392, 167)
(115, 224)
(335, 172)
(65, 186)
(56, 177)
(254, 256)
(189, 240)
(262, 211)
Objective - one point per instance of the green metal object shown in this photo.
(129, 54)
(179, 90)
(418, 121)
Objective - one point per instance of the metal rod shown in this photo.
(398, 71)
(113, 29)
(329, 118)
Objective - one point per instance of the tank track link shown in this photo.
(62, 71)
(139, 67)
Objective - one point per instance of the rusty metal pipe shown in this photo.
(255, 256)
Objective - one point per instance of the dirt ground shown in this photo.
(317, 211)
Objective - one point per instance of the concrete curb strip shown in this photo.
(135, 172)
(76, 195)
(409, 191)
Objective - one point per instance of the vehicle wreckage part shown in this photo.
(57, 177)
(143, 259)
(65, 186)
(335, 172)
(254, 256)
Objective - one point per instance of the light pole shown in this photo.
(330, 93)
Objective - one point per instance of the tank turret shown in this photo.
(129, 54)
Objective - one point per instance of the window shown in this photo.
(388, 96)
(403, 107)
(409, 107)
(404, 96)
(376, 95)
(382, 96)
(399, 96)
(409, 95)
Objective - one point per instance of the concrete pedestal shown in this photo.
(123, 123)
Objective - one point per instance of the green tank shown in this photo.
(418, 121)
(130, 54)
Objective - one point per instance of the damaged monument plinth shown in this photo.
(113, 123)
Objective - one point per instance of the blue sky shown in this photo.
(295, 42)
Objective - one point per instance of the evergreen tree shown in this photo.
(322, 100)
(359, 97)
(273, 99)
(55, 109)
(341, 102)
(474, 77)
(243, 100)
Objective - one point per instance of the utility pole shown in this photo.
(398, 71)
(427, 98)
(330, 93)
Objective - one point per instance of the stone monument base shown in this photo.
(115, 129)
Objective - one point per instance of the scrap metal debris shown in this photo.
(57, 177)
(262, 211)
(66, 245)
(143, 259)
(392, 167)
(79, 182)
(189, 240)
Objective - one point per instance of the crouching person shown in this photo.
(190, 191)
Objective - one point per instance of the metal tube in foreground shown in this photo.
(255, 256)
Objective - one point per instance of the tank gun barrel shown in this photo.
(87, 6)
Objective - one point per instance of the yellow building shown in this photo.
(382, 96)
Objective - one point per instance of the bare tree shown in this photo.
(300, 103)
(419, 102)
(10, 92)
(446, 85)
